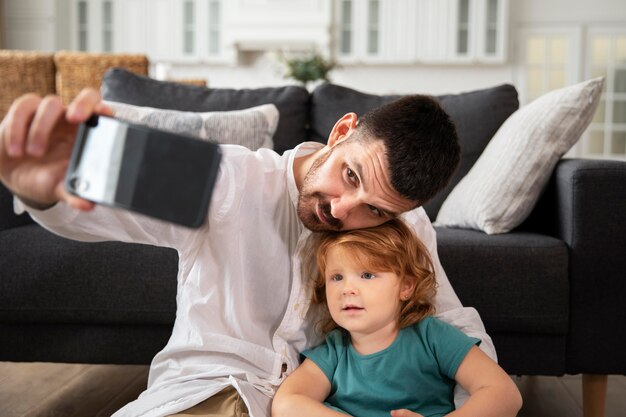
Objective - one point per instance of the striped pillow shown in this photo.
(504, 184)
(252, 128)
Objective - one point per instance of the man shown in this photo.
(243, 312)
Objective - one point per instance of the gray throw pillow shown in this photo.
(503, 186)
(292, 102)
(252, 128)
(477, 115)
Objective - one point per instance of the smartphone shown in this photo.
(154, 172)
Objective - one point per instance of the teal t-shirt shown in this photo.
(416, 372)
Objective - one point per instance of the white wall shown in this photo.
(379, 79)
(29, 24)
(382, 79)
(388, 79)
(568, 11)
(423, 79)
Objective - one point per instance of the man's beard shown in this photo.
(307, 205)
(309, 201)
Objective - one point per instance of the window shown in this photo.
(479, 30)
(546, 64)
(82, 26)
(345, 27)
(373, 31)
(214, 27)
(491, 35)
(462, 46)
(549, 59)
(107, 26)
(188, 28)
(607, 58)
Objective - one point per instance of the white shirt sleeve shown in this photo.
(447, 304)
(112, 224)
(108, 224)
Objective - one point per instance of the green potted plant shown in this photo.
(308, 68)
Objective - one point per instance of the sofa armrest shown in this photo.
(591, 205)
(590, 208)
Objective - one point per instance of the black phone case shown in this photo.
(163, 174)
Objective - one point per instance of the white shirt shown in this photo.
(242, 300)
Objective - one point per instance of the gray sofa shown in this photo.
(551, 292)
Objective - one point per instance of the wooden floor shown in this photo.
(68, 390)
(76, 390)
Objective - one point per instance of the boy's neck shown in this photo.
(366, 344)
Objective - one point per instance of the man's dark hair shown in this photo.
(421, 144)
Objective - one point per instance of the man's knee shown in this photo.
(226, 403)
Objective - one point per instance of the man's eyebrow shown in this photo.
(359, 172)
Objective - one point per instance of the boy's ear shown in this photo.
(342, 129)
(407, 288)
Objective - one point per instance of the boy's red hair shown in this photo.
(390, 247)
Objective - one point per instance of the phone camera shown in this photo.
(79, 185)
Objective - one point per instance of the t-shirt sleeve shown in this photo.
(327, 355)
(448, 344)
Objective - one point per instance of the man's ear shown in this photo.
(342, 129)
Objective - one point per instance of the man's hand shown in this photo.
(36, 139)
(404, 413)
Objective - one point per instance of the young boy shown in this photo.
(384, 352)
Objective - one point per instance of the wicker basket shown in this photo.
(78, 70)
(201, 82)
(24, 72)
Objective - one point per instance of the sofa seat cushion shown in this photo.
(517, 281)
(49, 279)
(8, 218)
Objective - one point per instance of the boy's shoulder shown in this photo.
(428, 324)
(431, 327)
(440, 336)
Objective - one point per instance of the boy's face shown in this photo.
(348, 187)
(362, 301)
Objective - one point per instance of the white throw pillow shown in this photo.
(504, 184)
(252, 128)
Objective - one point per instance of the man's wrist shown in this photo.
(35, 204)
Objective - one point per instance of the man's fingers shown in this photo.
(17, 122)
(48, 113)
(84, 105)
(71, 200)
(103, 109)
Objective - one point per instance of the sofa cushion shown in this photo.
(504, 184)
(518, 281)
(252, 128)
(292, 102)
(63, 281)
(8, 218)
(476, 114)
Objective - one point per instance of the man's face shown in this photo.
(348, 188)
